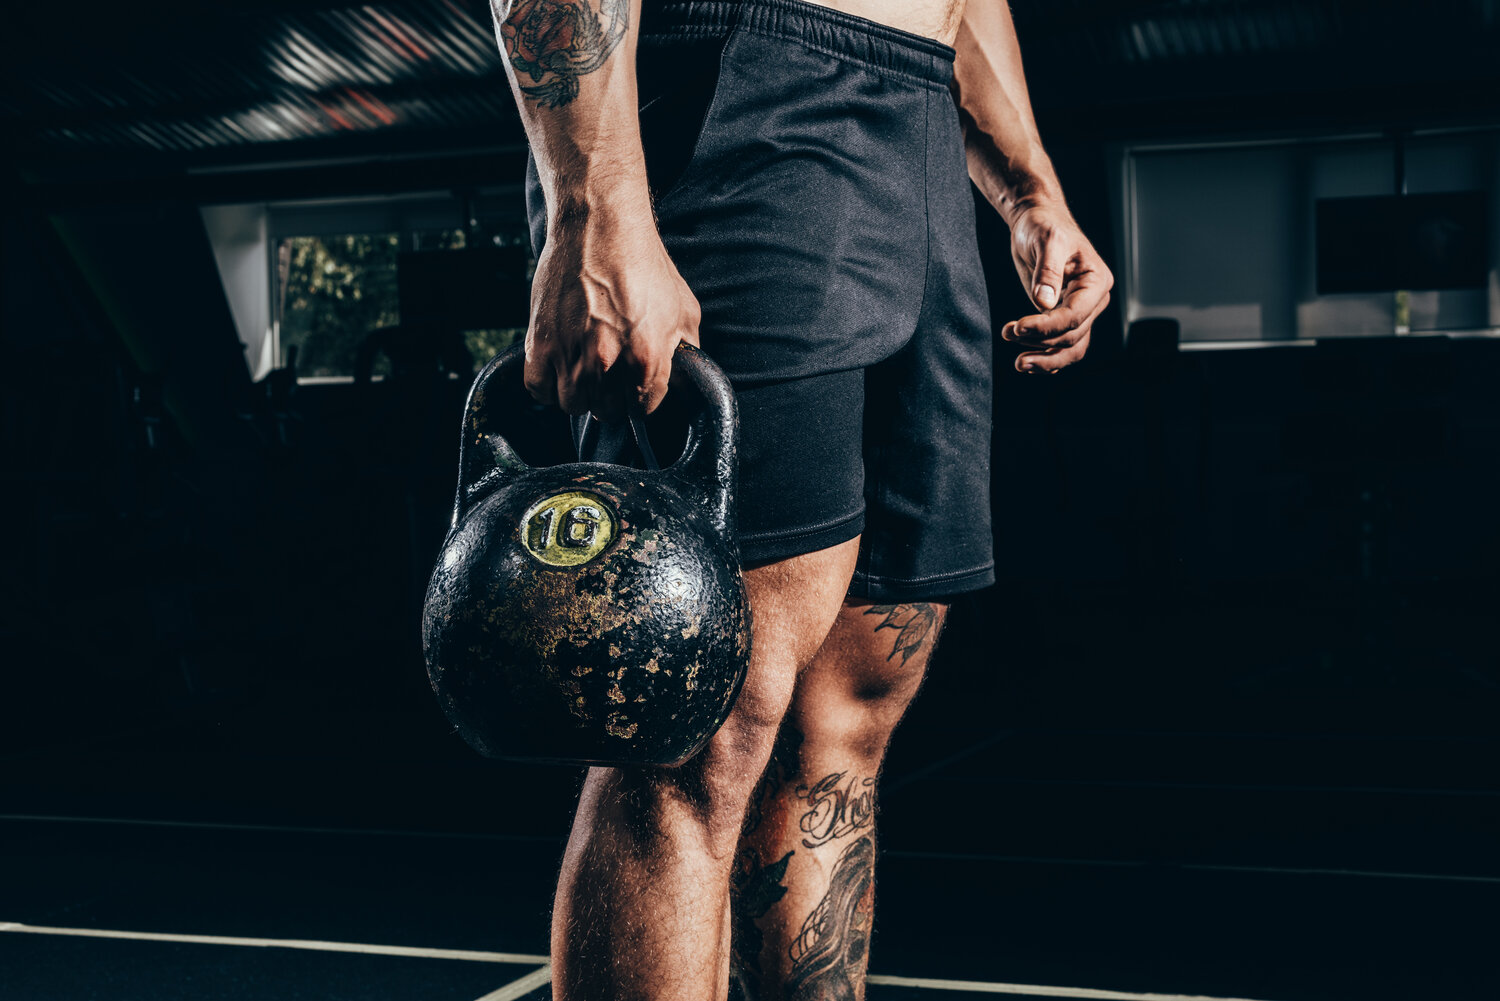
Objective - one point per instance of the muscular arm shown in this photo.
(608, 307)
(1063, 274)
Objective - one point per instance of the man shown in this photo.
(786, 183)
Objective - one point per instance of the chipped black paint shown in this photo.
(634, 657)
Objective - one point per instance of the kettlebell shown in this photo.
(590, 612)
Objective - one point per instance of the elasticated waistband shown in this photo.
(856, 39)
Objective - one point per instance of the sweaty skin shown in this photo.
(780, 808)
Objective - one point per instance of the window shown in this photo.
(334, 291)
(1221, 237)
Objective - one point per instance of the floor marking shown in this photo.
(1033, 990)
(1190, 866)
(520, 988)
(517, 989)
(418, 952)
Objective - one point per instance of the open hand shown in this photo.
(608, 309)
(1066, 278)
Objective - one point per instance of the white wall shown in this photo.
(242, 249)
(1221, 237)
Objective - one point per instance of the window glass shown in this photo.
(334, 291)
(1223, 238)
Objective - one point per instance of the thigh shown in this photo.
(793, 605)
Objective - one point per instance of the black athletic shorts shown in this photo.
(810, 185)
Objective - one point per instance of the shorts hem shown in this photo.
(899, 589)
(768, 547)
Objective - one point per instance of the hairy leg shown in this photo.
(804, 874)
(642, 907)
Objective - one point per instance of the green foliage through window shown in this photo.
(336, 290)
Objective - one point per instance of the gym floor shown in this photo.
(304, 859)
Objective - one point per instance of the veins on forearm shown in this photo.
(1011, 182)
(555, 42)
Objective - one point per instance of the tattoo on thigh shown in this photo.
(914, 624)
(836, 807)
(555, 42)
(828, 956)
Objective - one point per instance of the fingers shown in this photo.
(1053, 360)
(1047, 278)
(539, 374)
(657, 367)
(1084, 297)
(636, 375)
(1061, 351)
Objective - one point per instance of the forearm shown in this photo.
(571, 65)
(1005, 154)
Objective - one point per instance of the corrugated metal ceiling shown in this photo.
(250, 75)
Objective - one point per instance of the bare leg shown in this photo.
(642, 908)
(805, 873)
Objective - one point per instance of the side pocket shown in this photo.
(681, 86)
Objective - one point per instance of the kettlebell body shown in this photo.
(590, 612)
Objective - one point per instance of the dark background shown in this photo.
(1227, 722)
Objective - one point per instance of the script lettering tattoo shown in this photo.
(914, 624)
(828, 956)
(555, 42)
(836, 808)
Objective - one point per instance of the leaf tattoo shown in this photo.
(914, 624)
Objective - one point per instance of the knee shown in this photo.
(853, 722)
(866, 676)
(705, 798)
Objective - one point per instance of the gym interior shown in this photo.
(1226, 727)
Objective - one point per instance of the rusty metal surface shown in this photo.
(630, 649)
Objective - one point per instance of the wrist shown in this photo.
(1025, 195)
(1014, 179)
(584, 204)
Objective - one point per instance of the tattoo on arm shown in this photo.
(554, 42)
(836, 808)
(829, 954)
(914, 624)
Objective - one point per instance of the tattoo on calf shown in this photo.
(555, 42)
(836, 808)
(914, 624)
(756, 888)
(828, 956)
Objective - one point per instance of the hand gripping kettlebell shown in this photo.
(590, 612)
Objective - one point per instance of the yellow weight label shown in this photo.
(568, 529)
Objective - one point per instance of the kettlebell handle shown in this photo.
(708, 463)
(710, 460)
